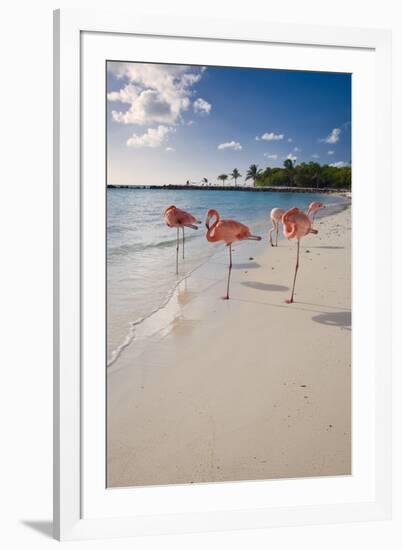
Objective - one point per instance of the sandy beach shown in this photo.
(245, 389)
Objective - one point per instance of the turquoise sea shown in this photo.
(141, 249)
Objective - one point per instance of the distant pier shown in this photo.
(233, 188)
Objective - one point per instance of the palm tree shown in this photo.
(289, 165)
(253, 173)
(266, 176)
(223, 177)
(235, 174)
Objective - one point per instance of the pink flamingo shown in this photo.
(174, 217)
(296, 224)
(276, 218)
(228, 231)
(313, 207)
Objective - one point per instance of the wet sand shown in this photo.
(245, 389)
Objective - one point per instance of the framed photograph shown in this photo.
(222, 293)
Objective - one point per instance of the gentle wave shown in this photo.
(125, 249)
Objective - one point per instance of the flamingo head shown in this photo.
(212, 213)
(314, 206)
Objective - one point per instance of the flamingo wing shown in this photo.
(174, 217)
(231, 230)
(185, 218)
(296, 224)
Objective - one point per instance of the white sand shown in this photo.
(250, 388)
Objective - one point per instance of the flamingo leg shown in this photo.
(229, 272)
(290, 301)
(270, 233)
(183, 242)
(277, 229)
(177, 252)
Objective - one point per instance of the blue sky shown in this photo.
(172, 123)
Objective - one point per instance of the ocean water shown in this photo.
(141, 249)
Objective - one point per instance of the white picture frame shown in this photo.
(82, 507)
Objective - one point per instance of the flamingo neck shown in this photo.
(290, 230)
(209, 235)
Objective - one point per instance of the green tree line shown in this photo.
(305, 174)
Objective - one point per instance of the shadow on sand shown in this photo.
(43, 527)
(249, 265)
(264, 286)
(342, 319)
(328, 247)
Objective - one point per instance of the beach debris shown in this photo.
(251, 258)
(307, 251)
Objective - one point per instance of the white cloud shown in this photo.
(125, 95)
(340, 164)
(291, 157)
(296, 149)
(315, 156)
(333, 136)
(154, 93)
(201, 106)
(331, 152)
(270, 136)
(235, 145)
(170, 149)
(290, 140)
(190, 122)
(273, 156)
(153, 137)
